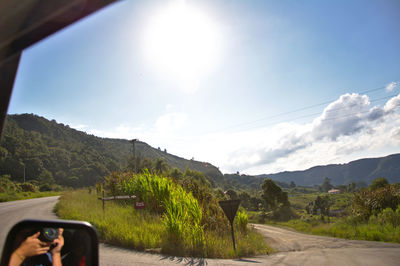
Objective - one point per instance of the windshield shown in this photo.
(218, 97)
(255, 87)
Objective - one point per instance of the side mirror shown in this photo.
(40, 242)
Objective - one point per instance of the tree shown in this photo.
(378, 183)
(232, 194)
(176, 174)
(160, 166)
(145, 164)
(273, 195)
(245, 199)
(46, 177)
(196, 175)
(326, 185)
(351, 187)
(323, 204)
(292, 184)
(367, 202)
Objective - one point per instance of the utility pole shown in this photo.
(24, 173)
(134, 153)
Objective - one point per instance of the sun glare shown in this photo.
(182, 43)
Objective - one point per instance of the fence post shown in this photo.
(103, 206)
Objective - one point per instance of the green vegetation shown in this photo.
(10, 190)
(54, 153)
(52, 156)
(26, 195)
(368, 214)
(182, 216)
(276, 202)
(378, 228)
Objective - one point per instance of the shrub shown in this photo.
(6, 185)
(45, 187)
(368, 202)
(388, 216)
(28, 187)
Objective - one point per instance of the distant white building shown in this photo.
(334, 191)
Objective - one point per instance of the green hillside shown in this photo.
(56, 152)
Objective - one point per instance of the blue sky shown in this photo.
(215, 80)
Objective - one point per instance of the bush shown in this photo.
(284, 213)
(28, 187)
(388, 216)
(44, 187)
(6, 185)
(368, 202)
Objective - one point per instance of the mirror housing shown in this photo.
(82, 233)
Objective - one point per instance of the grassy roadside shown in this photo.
(26, 195)
(122, 225)
(346, 228)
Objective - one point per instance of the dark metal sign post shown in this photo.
(230, 208)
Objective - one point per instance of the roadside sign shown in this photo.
(140, 205)
(230, 208)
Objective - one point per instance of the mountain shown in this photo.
(70, 157)
(363, 170)
(54, 151)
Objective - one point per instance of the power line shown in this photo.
(301, 109)
(331, 118)
(327, 119)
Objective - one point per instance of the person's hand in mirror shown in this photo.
(57, 244)
(31, 246)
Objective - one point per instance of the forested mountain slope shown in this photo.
(53, 150)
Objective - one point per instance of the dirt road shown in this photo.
(293, 248)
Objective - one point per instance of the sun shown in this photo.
(183, 43)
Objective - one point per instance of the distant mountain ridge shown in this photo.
(75, 158)
(364, 170)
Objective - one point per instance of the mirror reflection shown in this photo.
(51, 246)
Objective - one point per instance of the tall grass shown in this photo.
(171, 222)
(121, 225)
(182, 214)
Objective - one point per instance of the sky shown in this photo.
(251, 86)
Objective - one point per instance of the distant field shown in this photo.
(299, 201)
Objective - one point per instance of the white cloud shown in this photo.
(346, 127)
(170, 122)
(342, 117)
(391, 86)
(392, 104)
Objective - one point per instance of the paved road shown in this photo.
(294, 248)
(14, 211)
